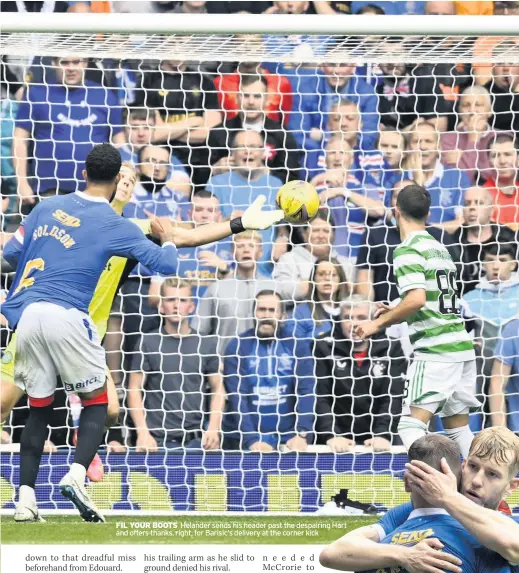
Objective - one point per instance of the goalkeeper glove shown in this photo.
(255, 218)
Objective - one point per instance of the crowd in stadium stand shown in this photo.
(251, 346)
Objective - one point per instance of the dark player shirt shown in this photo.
(436, 523)
(67, 243)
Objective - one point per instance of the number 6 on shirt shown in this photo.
(25, 280)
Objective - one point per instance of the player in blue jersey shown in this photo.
(488, 475)
(67, 243)
(425, 522)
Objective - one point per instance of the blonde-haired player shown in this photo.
(114, 274)
(488, 476)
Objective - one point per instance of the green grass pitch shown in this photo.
(228, 529)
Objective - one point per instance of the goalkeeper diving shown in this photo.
(67, 243)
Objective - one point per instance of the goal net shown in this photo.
(240, 382)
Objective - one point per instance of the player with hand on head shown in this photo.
(487, 477)
(442, 376)
(68, 241)
(453, 548)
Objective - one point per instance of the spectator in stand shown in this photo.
(391, 143)
(298, 45)
(138, 125)
(467, 147)
(343, 120)
(333, 83)
(504, 89)
(382, 7)
(44, 7)
(440, 8)
(293, 271)
(479, 8)
(154, 192)
(63, 121)
(360, 383)
(375, 279)
(237, 188)
(227, 307)
(445, 184)
(331, 8)
(439, 84)
(504, 187)
(504, 384)
(8, 111)
(328, 287)
(270, 386)
(282, 154)
(172, 368)
(199, 266)
(368, 168)
(192, 7)
(495, 300)
(351, 205)
(187, 106)
(370, 9)
(484, 45)
(506, 8)
(476, 234)
(279, 92)
(398, 99)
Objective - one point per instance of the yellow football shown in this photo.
(299, 201)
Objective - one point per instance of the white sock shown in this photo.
(411, 429)
(78, 473)
(27, 495)
(75, 408)
(462, 436)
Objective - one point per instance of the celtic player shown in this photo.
(442, 376)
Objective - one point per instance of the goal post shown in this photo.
(54, 33)
(282, 481)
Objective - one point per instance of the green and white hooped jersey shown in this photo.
(437, 331)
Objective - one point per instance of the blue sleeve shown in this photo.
(23, 117)
(395, 517)
(388, 7)
(115, 116)
(305, 390)
(127, 240)
(305, 115)
(238, 399)
(370, 119)
(12, 252)
(464, 183)
(505, 349)
(177, 165)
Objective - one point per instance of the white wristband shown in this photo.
(346, 194)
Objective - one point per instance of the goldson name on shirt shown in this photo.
(60, 235)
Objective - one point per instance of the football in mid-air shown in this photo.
(299, 200)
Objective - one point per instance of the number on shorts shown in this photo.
(448, 299)
(26, 281)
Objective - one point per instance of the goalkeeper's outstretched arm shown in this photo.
(254, 218)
